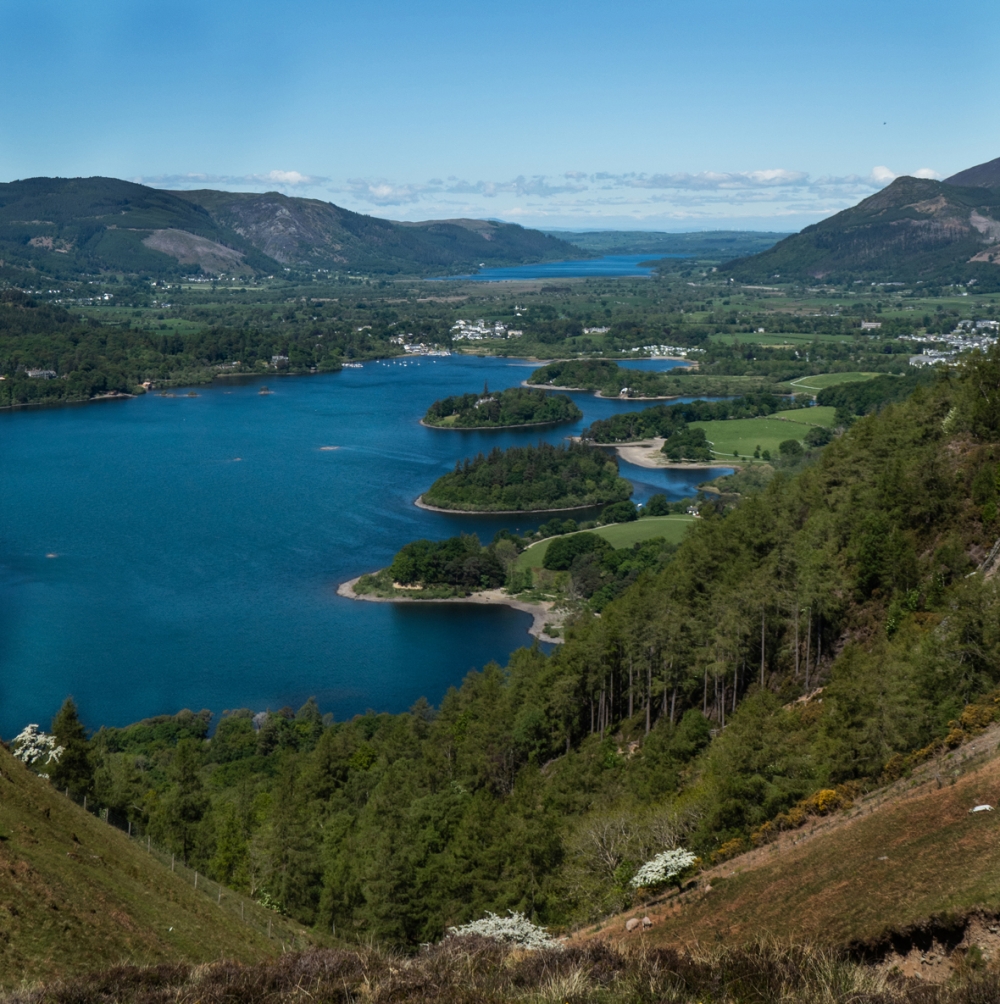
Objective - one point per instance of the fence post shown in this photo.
(196, 878)
(148, 849)
(220, 895)
(130, 827)
(67, 792)
(84, 803)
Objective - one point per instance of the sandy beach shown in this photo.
(647, 454)
(542, 613)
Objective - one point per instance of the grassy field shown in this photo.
(78, 894)
(771, 341)
(821, 380)
(744, 435)
(618, 535)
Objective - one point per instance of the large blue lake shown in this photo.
(595, 268)
(170, 552)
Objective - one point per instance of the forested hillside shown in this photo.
(670, 719)
(73, 228)
(913, 231)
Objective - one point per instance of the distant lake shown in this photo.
(609, 266)
(171, 552)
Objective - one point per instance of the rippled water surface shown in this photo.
(170, 552)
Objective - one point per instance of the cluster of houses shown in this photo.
(968, 335)
(477, 331)
(675, 351)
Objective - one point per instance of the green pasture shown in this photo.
(823, 380)
(618, 535)
(768, 339)
(744, 435)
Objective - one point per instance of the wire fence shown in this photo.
(265, 921)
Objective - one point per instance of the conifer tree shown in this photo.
(74, 770)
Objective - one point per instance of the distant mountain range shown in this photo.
(914, 230)
(71, 227)
(712, 244)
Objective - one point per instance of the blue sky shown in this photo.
(636, 114)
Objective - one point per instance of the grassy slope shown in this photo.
(77, 894)
(742, 435)
(901, 856)
(618, 535)
(821, 380)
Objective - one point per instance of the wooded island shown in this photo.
(506, 409)
(530, 479)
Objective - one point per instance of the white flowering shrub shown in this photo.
(663, 867)
(513, 930)
(32, 745)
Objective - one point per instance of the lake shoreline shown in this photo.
(498, 428)
(646, 453)
(421, 504)
(541, 612)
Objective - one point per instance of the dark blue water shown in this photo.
(593, 268)
(198, 543)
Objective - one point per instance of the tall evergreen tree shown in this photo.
(73, 771)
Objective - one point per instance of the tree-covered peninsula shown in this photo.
(432, 569)
(516, 406)
(530, 479)
(611, 380)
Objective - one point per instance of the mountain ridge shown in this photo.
(913, 230)
(69, 227)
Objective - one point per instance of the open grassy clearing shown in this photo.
(744, 435)
(618, 535)
(825, 416)
(821, 380)
(770, 340)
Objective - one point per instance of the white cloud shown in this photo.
(384, 193)
(288, 178)
(927, 172)
(882, 175)
(279, 179)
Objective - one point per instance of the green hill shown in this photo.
(914, 230)
(712, 244)
(986, 175)
(69, 227)
(76, 894)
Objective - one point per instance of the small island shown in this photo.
(516, 407)
(541, 478)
